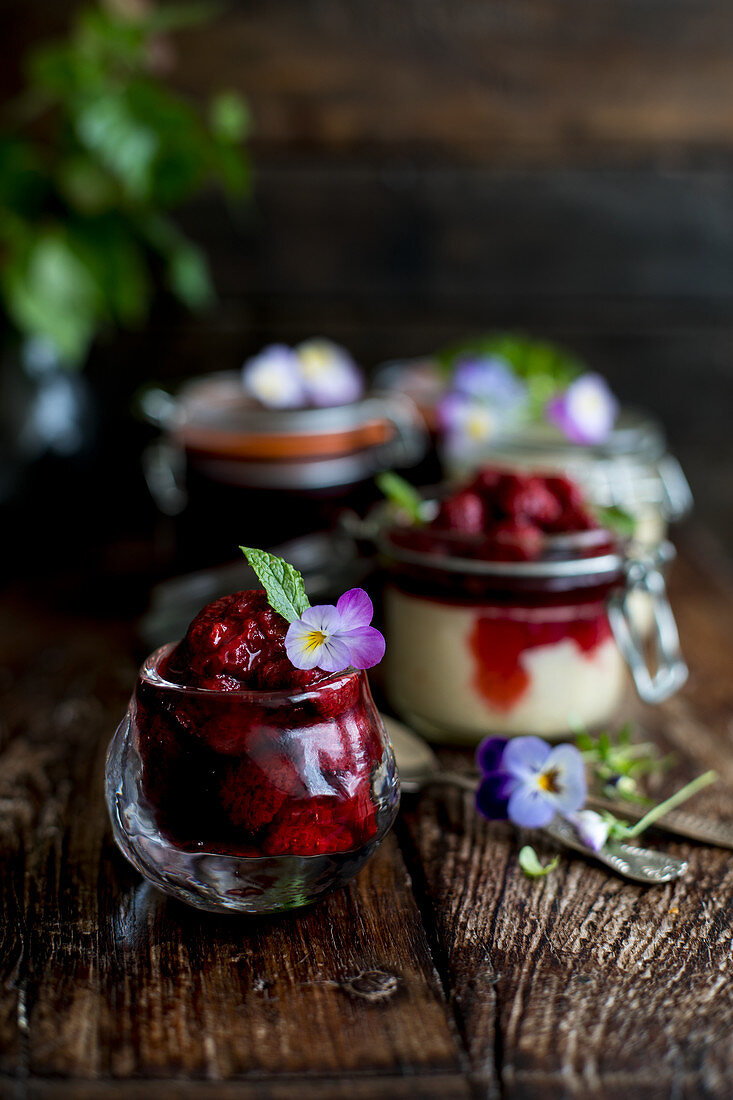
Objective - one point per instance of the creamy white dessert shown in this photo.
(442, 677)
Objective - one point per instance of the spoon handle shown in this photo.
(636, 864)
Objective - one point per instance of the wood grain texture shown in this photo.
(518, 81)
(595, 987)
(440, 972)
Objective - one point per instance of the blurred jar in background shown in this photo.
(230, 469)
(629, 468)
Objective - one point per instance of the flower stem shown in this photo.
(670, 803)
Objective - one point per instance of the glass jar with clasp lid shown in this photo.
(223, 464)
(631, 470)
(518, 643)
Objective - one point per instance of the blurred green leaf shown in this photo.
(188, 276)
(51, 293)
(617, 520)
(546, 368)
(84, 234)
(229, 117)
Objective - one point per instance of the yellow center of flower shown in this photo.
(479, 425)
(316, 361)
(548, 781)
(314, 640)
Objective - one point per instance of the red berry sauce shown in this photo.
(268, 759)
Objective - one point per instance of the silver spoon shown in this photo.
(419, 767)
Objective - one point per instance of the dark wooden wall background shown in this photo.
(427, 168)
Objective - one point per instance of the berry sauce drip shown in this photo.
(256, 774)
(498, 645)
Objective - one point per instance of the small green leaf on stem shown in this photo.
(530, 863)
(400, 493)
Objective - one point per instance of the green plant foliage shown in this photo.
(93, 156)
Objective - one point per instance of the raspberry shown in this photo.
(237, 642)
(566, 491)
(517, 540)
(251, 797)
(529, 498)
(464, 512)
(486, 481)
(575, 519)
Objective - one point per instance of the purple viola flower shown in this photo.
(528, 781)
(467, 420)
(273, 378)
(336, 638)
(591, 828)
(491, 379)
(330, 375)
(586, 411)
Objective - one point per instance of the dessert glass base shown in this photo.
(250, 802)
(214, 881)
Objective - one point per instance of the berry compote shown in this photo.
(237, 781)
(496, 611)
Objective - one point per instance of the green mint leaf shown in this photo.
(530, 863)
(282, 582)
(400, 493)
(616, 519)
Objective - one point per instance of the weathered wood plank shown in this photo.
(596, 986)
(388, 1087)
(518, 81)
(502, 82)
(115, 981)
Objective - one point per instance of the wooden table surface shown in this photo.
(440, 972)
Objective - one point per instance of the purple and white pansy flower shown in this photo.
(316, 372)
(490, 378)
(586, 411)
(273, 378)
(528, 781)
(329, 374)
(337, 637)
(592, 828)
(485, 399)
(466, 421)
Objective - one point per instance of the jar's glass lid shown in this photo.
(629, 470)
(636, 436)
(219, 403)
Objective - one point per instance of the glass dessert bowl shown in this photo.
(509, 613)
(250, 800)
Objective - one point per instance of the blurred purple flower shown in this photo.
(528, 781)
(467, 421)
(491, 379)
(335, 638)
(330, 375)
(586, 411)
(273, 378)
(591, 828)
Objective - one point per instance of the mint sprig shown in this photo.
(403, 495)
(281, 581)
